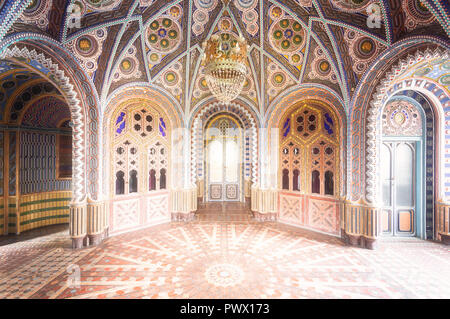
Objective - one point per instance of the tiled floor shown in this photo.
(223, 254)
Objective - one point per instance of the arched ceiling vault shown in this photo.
(328, 43)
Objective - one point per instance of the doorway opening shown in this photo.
(403, 170)
(223, 159)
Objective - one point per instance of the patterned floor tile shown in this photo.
(224, 253)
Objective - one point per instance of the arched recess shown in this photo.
(250, 124)
(142, 162)
(370, 94)
(393, 77)
(292, 97)
(310, 148)
(62, 69)
(439, 101)
(429, 161)
(56, 65)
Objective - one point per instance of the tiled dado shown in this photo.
(35, 210)
(315, 212)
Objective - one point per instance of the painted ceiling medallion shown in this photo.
(201, 15)
(417, 14)
(171, 79)
(225, 65)
(88, 48)
(321, 68)
(287, 36)
(277, 80)
(37, 13)
(128, 67)
(363, 50)
(249, 15)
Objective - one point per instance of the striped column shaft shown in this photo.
(78, 224)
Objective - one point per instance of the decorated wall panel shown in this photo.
(309, 175)
(139, 173)
(38, 164)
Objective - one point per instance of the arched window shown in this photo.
(162, 179)
(285, 179)
(120, 183)
(329, 183)
(152, 180)
(140, 134)
(157, 162)
(315, 182)
(133, 182)
(296, 180)
(309, 150)
(126, 161)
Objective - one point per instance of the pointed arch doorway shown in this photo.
(223, 159)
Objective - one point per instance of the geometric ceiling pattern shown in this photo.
(18, 88)
(292, 42)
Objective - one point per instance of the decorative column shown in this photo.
(264, 204)
(184, 204)
(183, 193)
(443, 222)
(360, 224)
(264, 195)
(97, 223)
(78, 224)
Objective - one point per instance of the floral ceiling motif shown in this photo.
(290, 42)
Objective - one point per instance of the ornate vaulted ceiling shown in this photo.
(327, 42)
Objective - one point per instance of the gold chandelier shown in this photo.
(225, 59)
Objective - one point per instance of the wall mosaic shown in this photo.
(10, 84)
(250, 16)
(19, 104)
(38, 164)
(363, 50)
(287, 36)
(321, 67)
(47, 112)
(128, 66)
(88, 48)
(277, 80)
(200, 15)
(401, 118)
(37, 13)
(417, 14)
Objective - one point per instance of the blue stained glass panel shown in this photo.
(287, 127)
(162, 127)
(329, 119)
(328, 128)
(120, 123)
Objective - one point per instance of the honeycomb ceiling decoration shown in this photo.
(331, 43)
